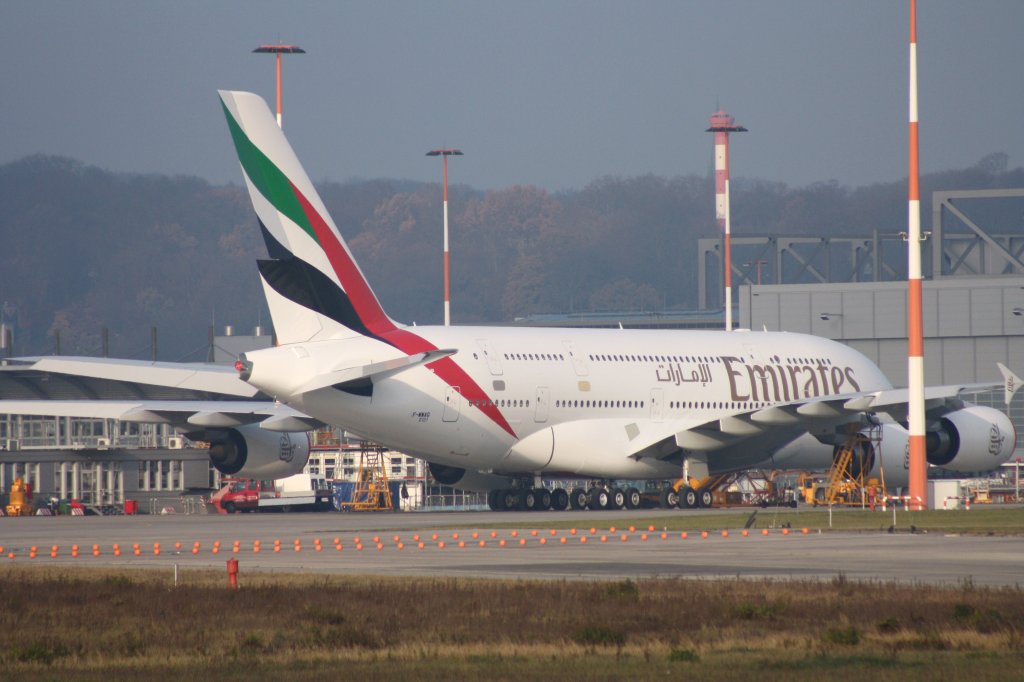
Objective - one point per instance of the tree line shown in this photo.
(85, 249)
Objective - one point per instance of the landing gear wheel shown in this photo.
(669, 498)
(509, 499)
(578, 498)
(598, 499)
(705, 499)
(559, 499)
(688, 498)
(527, 500)
(496, 500)
(633, 498)
(543, 499)
(618, 499)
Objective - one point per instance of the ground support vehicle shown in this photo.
(295, 493)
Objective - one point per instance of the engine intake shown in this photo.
(252, 452)
(975, 438)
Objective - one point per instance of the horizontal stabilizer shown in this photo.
(373, 371)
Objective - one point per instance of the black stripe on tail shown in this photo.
(306, 286)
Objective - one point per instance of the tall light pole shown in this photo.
(279, 50)
(918, 464)
(721, 125)
(444, 154)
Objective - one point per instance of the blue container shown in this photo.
(343, 491)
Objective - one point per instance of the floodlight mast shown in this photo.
(721, 125)
(918, 463)
(444, 154)
(279, 50)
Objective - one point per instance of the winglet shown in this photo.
(1011, 382)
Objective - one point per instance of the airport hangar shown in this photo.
(849, 288)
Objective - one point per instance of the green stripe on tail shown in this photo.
(268, 178)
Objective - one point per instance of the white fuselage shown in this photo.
(619, 388)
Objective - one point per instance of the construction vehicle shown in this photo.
(295, 493)
(20, 503)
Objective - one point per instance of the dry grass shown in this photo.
(138, 626)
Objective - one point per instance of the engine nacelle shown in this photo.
(885, 459)
(975, 438)
(251, 452)
(473, 481)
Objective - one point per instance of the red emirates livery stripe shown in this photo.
(368, 308)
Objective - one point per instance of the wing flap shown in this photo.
(183, 413)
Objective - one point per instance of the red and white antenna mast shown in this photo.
(918, 464)
(721, 125)
(279, 50)
(444, 154)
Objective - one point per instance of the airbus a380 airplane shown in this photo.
(496, 409)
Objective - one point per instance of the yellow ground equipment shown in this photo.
(19, 504)
(371, 492)
(736, 489)
(847, 482)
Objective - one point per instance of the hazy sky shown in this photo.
(553, 93)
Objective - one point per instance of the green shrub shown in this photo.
(847, 636)
(683, 655)
(598, 635)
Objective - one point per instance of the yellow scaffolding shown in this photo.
(371, 492)
(847, 482)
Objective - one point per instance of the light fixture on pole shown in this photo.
(444, 154)
(721, 125)
(279, 50)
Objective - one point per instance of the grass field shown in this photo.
(58, 624)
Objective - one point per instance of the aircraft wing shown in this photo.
(739, 439)
(188, 396)
(101, 377)
(184, 414)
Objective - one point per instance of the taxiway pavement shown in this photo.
(507, 553)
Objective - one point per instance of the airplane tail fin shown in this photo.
(313, 286)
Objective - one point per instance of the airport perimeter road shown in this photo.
(531, 551)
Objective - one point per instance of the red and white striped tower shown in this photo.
(721, 125)
(279, 50)
(444, 154)
(918, 464)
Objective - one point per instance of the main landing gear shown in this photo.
(598, 497)
(686, 497)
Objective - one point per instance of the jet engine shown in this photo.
(251, 452)
(974, 438)
(473, 481)
(884, 457)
